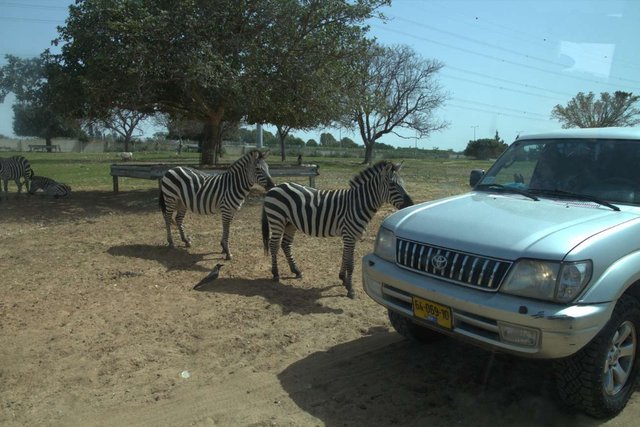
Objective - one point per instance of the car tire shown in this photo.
(600, 378)
(405, 327)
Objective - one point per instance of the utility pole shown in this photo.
(474, 131)
(259, 135)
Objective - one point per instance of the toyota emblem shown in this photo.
(439, 262)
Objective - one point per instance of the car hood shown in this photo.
(506, 226)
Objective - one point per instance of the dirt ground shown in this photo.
(100, 326)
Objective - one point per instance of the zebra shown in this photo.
(15, 168)
(49, 186)
(328, 213)
(183, 188)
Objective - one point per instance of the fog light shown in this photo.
(518, 335)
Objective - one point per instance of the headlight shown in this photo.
(386, 245)
(551, 281)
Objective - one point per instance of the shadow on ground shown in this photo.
(79, 205)
(290, 298)
(443, 383)
(171, 258)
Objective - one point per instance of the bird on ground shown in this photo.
(210, 277)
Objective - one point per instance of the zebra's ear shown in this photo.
(398, 167)
(264, 154)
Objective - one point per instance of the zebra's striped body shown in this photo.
(183, 188)
(346, 213)
(15, 168)
(49, 186)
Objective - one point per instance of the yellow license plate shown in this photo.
(432, 312)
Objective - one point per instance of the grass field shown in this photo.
(425, 179)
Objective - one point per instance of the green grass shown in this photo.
(425, 179)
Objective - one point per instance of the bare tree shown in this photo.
(583, 111)
(399, 90)
(123, 123)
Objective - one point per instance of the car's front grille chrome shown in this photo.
(459, 267)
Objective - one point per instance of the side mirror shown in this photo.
(475, 176)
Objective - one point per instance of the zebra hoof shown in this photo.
(298, 275)
(228, 257)
(351, 294)
(187, 244)
(341, 276)
(276, 278)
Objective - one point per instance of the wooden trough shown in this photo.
(157, 170)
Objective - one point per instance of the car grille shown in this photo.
(459, 267)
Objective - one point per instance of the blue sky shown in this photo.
(507, 63)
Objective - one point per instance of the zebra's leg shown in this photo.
(227, 216)
(287, 245)
(274, 245)
(347, 263)
(168, 218)
(180, 214)
(19, 185)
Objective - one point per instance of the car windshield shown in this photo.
(596, 169)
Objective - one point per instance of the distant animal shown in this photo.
(16, 168)
(299, 159)
(49, 187)
(323, 213)
(215, 272)
(183, 188)
(126, 155)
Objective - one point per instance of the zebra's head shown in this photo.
(392, 186)
(261, 170)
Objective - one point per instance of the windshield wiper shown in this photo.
(576, 196)
(506, 189)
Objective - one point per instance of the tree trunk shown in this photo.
(368, 153)
(47, 141)
(212, 139)
(282, 135)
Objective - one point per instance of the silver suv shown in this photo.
(541, 259)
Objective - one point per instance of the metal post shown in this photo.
(259, 135)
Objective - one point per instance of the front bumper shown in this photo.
(478, 316)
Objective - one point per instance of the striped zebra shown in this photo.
(49, 186)
(15, 168)
(183, 188)
(289, 207)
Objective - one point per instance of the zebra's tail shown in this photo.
(265, 231)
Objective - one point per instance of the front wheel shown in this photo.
(601, 377)
(405, 327)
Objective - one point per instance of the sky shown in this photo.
(507, 63)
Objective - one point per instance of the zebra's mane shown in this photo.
(245, 160)
(365, 175)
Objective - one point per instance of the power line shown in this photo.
(494, 58)
(34, 6)
(528, 113)
(509, 31)
(500, 87)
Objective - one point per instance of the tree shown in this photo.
(584, 111)
(348, 143)
(33, 113)
(398, 90)
(209, 61)
(124, 123)
(486, 148)
(328, 140)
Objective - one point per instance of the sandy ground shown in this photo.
(100, 326)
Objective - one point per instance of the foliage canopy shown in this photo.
(268, 61)
(584, 111)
